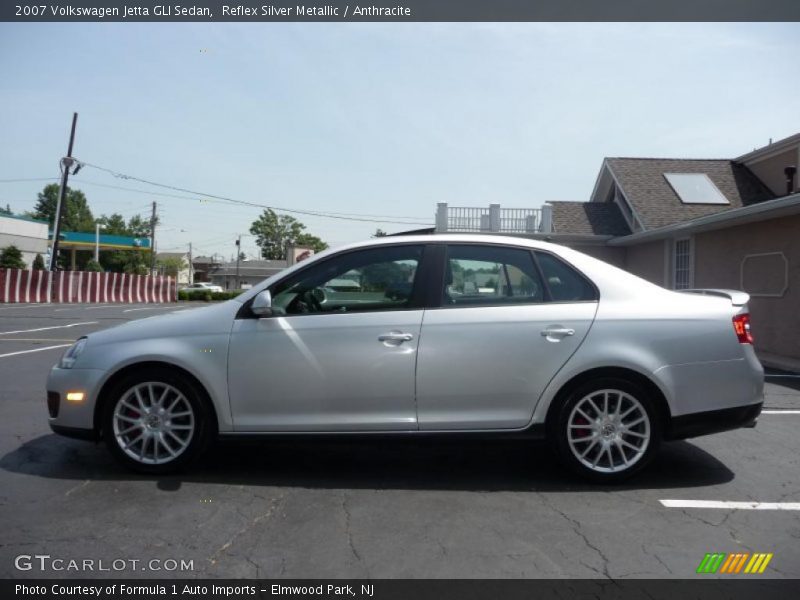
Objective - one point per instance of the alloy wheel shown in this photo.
(608, 431)
(153, 423)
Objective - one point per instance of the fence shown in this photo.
(79, 286)
(493, 219)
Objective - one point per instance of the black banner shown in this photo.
(401, 10)
(401, 589)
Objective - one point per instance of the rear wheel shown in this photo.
(155, 421)
(607, 430)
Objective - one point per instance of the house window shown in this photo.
(682, 261)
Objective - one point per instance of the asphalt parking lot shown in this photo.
(378, 510)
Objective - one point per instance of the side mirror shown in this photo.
(262, 304)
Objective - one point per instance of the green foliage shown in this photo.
(38, 263)
(6, 210)
(76, 214)
(274, 231)
(207, 295)
(125, 261)
(93, 266)
(11, 258)
(171, 265)
(310, 241)
(379, 233)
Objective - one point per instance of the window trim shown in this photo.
(417, 300)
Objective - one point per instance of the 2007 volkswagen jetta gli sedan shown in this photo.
(422, 335)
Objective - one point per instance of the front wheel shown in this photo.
(607, 430)
(155, 421)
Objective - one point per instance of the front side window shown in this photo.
(564, 282)
(365, 280)
(490, 275)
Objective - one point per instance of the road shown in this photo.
(374, 509)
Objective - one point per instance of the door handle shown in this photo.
(557, 332)
(395, 336)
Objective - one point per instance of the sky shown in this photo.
(372, 120)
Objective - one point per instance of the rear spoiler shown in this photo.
(737, 298)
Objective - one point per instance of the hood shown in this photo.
(216, 318)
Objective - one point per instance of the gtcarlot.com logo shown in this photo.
(735, 563)
(46, 562)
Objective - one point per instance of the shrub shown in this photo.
(207, 296)
(11, 258)
(38, 263)
(93, 266)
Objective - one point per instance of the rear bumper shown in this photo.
(713, 421)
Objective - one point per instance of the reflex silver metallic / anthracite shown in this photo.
(425, 335)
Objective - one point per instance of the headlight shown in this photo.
(71, 355)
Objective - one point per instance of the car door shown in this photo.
(339, 351)
(498, 337)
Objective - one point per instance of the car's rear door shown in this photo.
(504, 327)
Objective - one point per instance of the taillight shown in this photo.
(741, 325)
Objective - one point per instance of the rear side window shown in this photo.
(490, 275)
(564, 282)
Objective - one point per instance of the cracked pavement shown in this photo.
(388, 508)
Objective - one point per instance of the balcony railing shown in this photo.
(493, 219)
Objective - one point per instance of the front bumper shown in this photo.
(713, 421)
(65, 415)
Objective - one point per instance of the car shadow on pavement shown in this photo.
(429, 464)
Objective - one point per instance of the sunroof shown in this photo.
(695, 188)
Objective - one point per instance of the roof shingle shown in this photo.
(588, 218)
(646, 189)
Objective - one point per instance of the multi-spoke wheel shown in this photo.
(155, 421)
(607, 429)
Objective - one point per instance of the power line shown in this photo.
(246, 203)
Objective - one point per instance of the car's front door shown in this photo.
(499, 336)
(339, 351)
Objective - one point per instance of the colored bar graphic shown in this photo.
(711, 562)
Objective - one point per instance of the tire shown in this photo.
(613, 446)
(156, 421)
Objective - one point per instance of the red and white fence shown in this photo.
(82, 286)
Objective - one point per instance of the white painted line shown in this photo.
(731, 505)
(792, 376)
(37, 340)
(148, 308)
(780, 412)
(46, 328)
(35, 350)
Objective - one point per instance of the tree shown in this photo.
(11, 258)
(6, 210)
(125, 261)
(93, 266)
(379, 233)
(75, 214)
(171, 265)
(38, 263)
(306, 240)
(274, 231)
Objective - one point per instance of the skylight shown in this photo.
(695, 188)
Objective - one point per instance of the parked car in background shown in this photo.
(203, 287)
(443, 334)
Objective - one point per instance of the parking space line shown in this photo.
(35, 350)
(148, 308)
(36, 340)
(776, 375)
(51, 327)
(780, 412)
(731, 505)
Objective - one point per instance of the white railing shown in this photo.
(493, 219)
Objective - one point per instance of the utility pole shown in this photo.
(191, 265)
(66, 163)
(238, 259)
(153, 241)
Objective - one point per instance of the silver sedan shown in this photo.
(423, 335)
